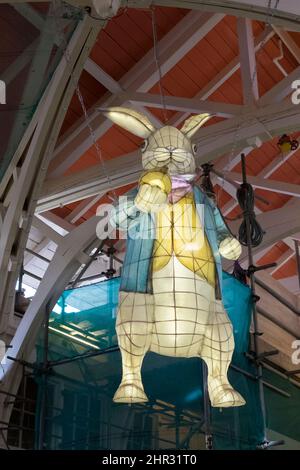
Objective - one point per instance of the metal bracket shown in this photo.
(267, 444)
(253, 269)
(261, 356)
(251, 355)
(291, 373)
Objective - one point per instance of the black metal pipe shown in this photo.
(277, 296)
(22, 362)
(206, 411)
(88, 278)
(293, 372)
(254, 377)
(242, 371)
(20, 280)
(254, 310)
(99, 352)
(276, 389)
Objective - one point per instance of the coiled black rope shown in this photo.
(245, 196)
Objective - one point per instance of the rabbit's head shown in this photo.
(167, 147)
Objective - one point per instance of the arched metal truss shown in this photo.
(19, 190)
(21, 185)
(73, 251)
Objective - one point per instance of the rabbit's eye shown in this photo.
(194, 147)
(144, 145)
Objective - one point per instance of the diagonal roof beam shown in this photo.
(224, 75)
(247, 60)
(265, 173)
(291, 283)
(265, 122)
(278, 92)
(281, 90)
(284, 258)
(83, 207)
(46, 230)
(20, 63)
(280, 187)
(90, 66)
(172, 47)
(278, 224)
(63, 225)
(288, 41)
(121, 171)
(191, 105)
(114, 87)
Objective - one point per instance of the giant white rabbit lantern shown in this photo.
(170, 296)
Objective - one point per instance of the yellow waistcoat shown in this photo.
(179, 231)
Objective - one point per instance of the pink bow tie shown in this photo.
(180, 187)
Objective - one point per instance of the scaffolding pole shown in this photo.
(254, 309)
(43, 406)
(206, 410)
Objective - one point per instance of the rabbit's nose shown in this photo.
(170, 148)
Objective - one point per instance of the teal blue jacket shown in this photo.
(136, 272)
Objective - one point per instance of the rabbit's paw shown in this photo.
(150, 198)
(157, 178)
(230, 248)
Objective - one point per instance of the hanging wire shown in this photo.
(57, 4)
(156, 59)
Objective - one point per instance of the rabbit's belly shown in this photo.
(182, 303)
(179, 232)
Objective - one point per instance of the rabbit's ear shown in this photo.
(192, 124)
(128, 119)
